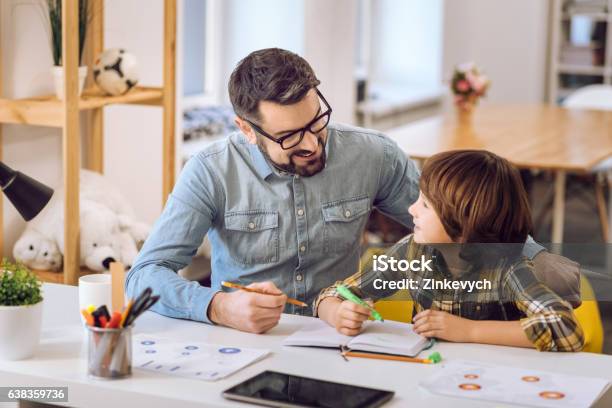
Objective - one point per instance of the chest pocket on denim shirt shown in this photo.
(252, 236)
(344, 220)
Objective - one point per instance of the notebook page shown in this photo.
(389, 337)
(316, 333)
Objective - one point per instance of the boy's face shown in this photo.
(427, 226)
(305, 159)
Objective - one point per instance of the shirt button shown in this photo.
(251, 225)
(298, 278)
(347, 213)
(300, 212)
(297, 176)
(302, 248)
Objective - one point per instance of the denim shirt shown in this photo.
(302, 233)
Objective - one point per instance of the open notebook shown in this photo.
(387, 337)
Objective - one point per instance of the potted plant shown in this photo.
(468, 85)
(20, 311)
(55, 23)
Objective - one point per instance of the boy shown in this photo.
(471, 220)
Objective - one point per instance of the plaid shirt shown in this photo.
(515, 294)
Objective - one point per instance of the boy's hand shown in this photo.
(443, 325)
(347, 317)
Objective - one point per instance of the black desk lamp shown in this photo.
(28, 196)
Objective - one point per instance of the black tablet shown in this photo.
(284, 390)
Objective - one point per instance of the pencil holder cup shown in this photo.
(109, 352)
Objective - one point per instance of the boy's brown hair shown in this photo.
(479, 197)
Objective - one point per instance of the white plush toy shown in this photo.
(103, 238)
(37, 251)
(108, 230)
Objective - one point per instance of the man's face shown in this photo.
(308, 157)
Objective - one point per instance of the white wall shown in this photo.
(252, 25)
(329, 38)
(133, 134)
(321, 31)
(508, 39)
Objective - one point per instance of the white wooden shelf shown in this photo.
(586, 69)
(49, 111)
(593, 16)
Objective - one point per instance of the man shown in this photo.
(284, 202)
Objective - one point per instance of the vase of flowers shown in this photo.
(54, 13)
(468, 85)
(20, 311)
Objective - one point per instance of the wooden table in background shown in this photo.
(530, 136)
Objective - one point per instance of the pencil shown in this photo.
(126, 312)
(88, 317)
(237, 286)
(432, 359)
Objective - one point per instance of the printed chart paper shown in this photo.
(196, 360)
(514, 385)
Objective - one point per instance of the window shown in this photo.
(252, 25)
(216, 34)
(399, 48)
(194, 47)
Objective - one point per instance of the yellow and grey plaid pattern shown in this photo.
(515, 294)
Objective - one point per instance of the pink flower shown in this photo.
(463, 85)
(468, 84)
(471, 77)
(478, 85)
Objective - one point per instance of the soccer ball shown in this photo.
(116, 71)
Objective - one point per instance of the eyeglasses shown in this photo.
(295, 138)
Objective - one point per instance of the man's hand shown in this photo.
(247, 311)
(443, 325)
(347, 317)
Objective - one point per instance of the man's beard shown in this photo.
(309, 169)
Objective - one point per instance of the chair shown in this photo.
(396, 307)
(589, 318)
(596, 97)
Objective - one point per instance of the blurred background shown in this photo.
(382, 64)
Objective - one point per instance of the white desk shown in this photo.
(61, 361)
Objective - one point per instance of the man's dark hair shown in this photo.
(273, 75)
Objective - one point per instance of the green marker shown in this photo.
(351, 297)
(435, 357)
